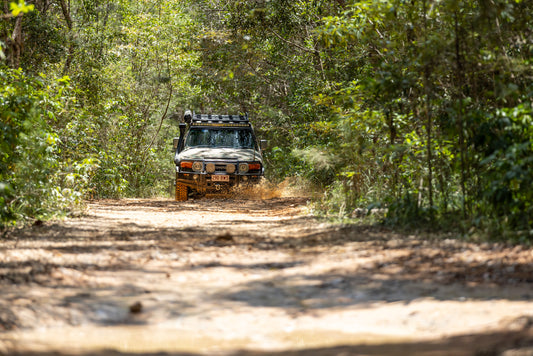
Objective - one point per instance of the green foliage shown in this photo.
(428, 70)
(16, 9)
(43, 43)
(263, 58)
(421, 107)
(20, 7)
(505, 192)
(103, 130)
(384, 103)
(30, 170)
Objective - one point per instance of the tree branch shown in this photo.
(9, 16)
(160, 123)
(66, 13)
(293, 43)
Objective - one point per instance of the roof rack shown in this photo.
(220, 120)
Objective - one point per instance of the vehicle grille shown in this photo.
(220, 167)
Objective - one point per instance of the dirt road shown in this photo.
(255, 277)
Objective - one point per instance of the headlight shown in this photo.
(210, 168)
(243, 167)
(230, 168)
(197, 166)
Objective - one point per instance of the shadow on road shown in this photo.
(91, 269)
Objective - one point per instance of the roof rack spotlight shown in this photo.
(219, 119)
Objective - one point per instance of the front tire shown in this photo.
(181, 192)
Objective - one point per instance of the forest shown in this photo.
(419, 107)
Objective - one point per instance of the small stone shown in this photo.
(226, 237)
(136, 308)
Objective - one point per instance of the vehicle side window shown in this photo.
(244, 139)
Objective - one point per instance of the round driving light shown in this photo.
(230, 168)
(243, 167)
(210, 168)
(197, 166)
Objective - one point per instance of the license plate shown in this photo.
(220, 178)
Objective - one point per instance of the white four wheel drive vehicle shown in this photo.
(215, 153)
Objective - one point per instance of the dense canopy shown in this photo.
(422, 107)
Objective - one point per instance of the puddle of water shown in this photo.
(304, 339)
(143, 339)
(132, 339)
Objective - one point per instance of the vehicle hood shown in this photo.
(230, 154)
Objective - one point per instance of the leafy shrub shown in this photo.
(30, 170)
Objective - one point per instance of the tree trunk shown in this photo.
(65, 9)
(15, 44)
(459, 74)
(429, 119)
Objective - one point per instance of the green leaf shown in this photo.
(21, 7)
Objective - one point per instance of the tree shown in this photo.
(436, 73)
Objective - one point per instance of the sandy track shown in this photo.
(250, 277)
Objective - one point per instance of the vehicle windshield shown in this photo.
(226, 137)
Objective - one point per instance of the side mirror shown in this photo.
(175, 143)
(263, 144)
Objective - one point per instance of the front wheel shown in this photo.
(181, 192)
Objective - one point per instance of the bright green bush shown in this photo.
(34, 183)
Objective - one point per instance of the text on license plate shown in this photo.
(220, 178)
